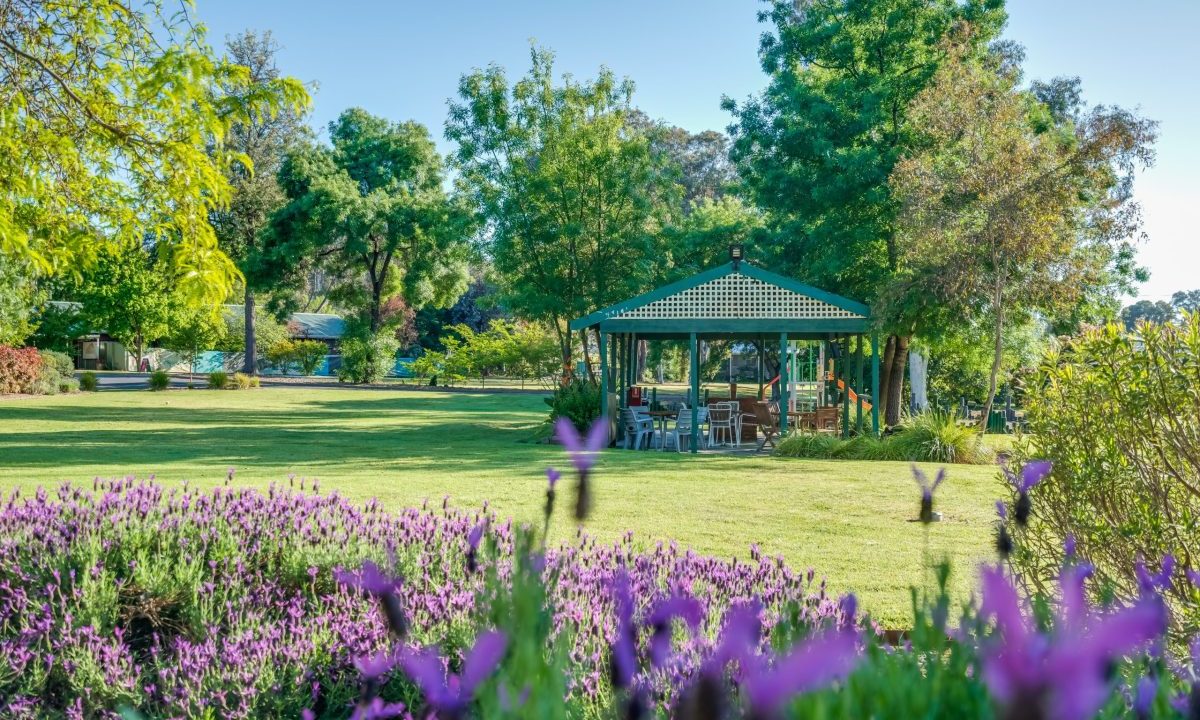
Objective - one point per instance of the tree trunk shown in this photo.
(587, 355)
(998, 348)
(896, 380)
(250, 363)
(885, 376)
(639, 362)
(138, 352)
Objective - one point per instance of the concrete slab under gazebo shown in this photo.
(740, 302)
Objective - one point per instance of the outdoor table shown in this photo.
(661, 417)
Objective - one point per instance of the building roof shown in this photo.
(313, 326)
(732, 300)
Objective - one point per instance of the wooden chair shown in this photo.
(768, 424)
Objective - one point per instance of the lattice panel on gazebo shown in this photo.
(736, 296)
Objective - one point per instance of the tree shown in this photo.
(701, 160)
(127, 294)
(112, 122)
(263, 137)
(1001, 201)
(373, 212)
(1186, 301)
(1149, 311)
(193, 330)
(572, 195)
(701, 239)
(817, 148)
(476, 309)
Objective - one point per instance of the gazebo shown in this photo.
(740, 302)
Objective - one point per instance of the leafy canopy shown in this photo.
(572, 195)
(113, 118)
(372, 212)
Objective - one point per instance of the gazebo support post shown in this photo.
(844, 376)
(783, 384)
(761, 345)
(694, 377)
(604, 382)
(875, 383)
(858, 383)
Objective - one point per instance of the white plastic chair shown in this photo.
(720, 422)
(638, 427)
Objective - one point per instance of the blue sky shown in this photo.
(402, 59)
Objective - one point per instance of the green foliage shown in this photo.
(702, 238)
(281, 354)
(366, 358)
(572, 193)
(1007, 209)
(817, 148)
(937, 436)
(372, 211)
(1149, 311)
(58, 327)
(193, 330)
(19, 296)
(309, 355)
(510, 349)
(578, 401)
(59, 363)
(304, 355)
(1119, 416)
(113, 127)
(68, 385)
(127, 294)
(267, 332)
(218, 380)
(159, 380)
(929, 437)
(242, 381)
(88, 381)
(960, 358)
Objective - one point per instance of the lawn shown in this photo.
(848, 520)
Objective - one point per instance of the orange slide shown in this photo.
(841, 386)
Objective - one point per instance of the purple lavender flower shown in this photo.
(927, 490)
(1069, 546)
(1143, 697)
(450, 695)
(473, 539)
(552, 477)
(690, 610)
(1032, 473)
(583, 456)
(624, 646)
(1064, 676)
(1159, 582)
(371, 580)
(812, 664)
(1193, 576)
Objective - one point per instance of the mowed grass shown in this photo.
(848, 520)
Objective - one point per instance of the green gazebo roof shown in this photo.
(732, 301)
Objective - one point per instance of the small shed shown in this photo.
(742, 302)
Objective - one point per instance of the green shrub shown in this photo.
(88, 382)
(242, 381)
(280, 354)
(61, 362)
(159, 380)
(217, 380)
(367, 359)
(937, 436)
(578, 401)
(309, 355)
(810, 445)
(929, 437)
(1119, 416)
(68, 385)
